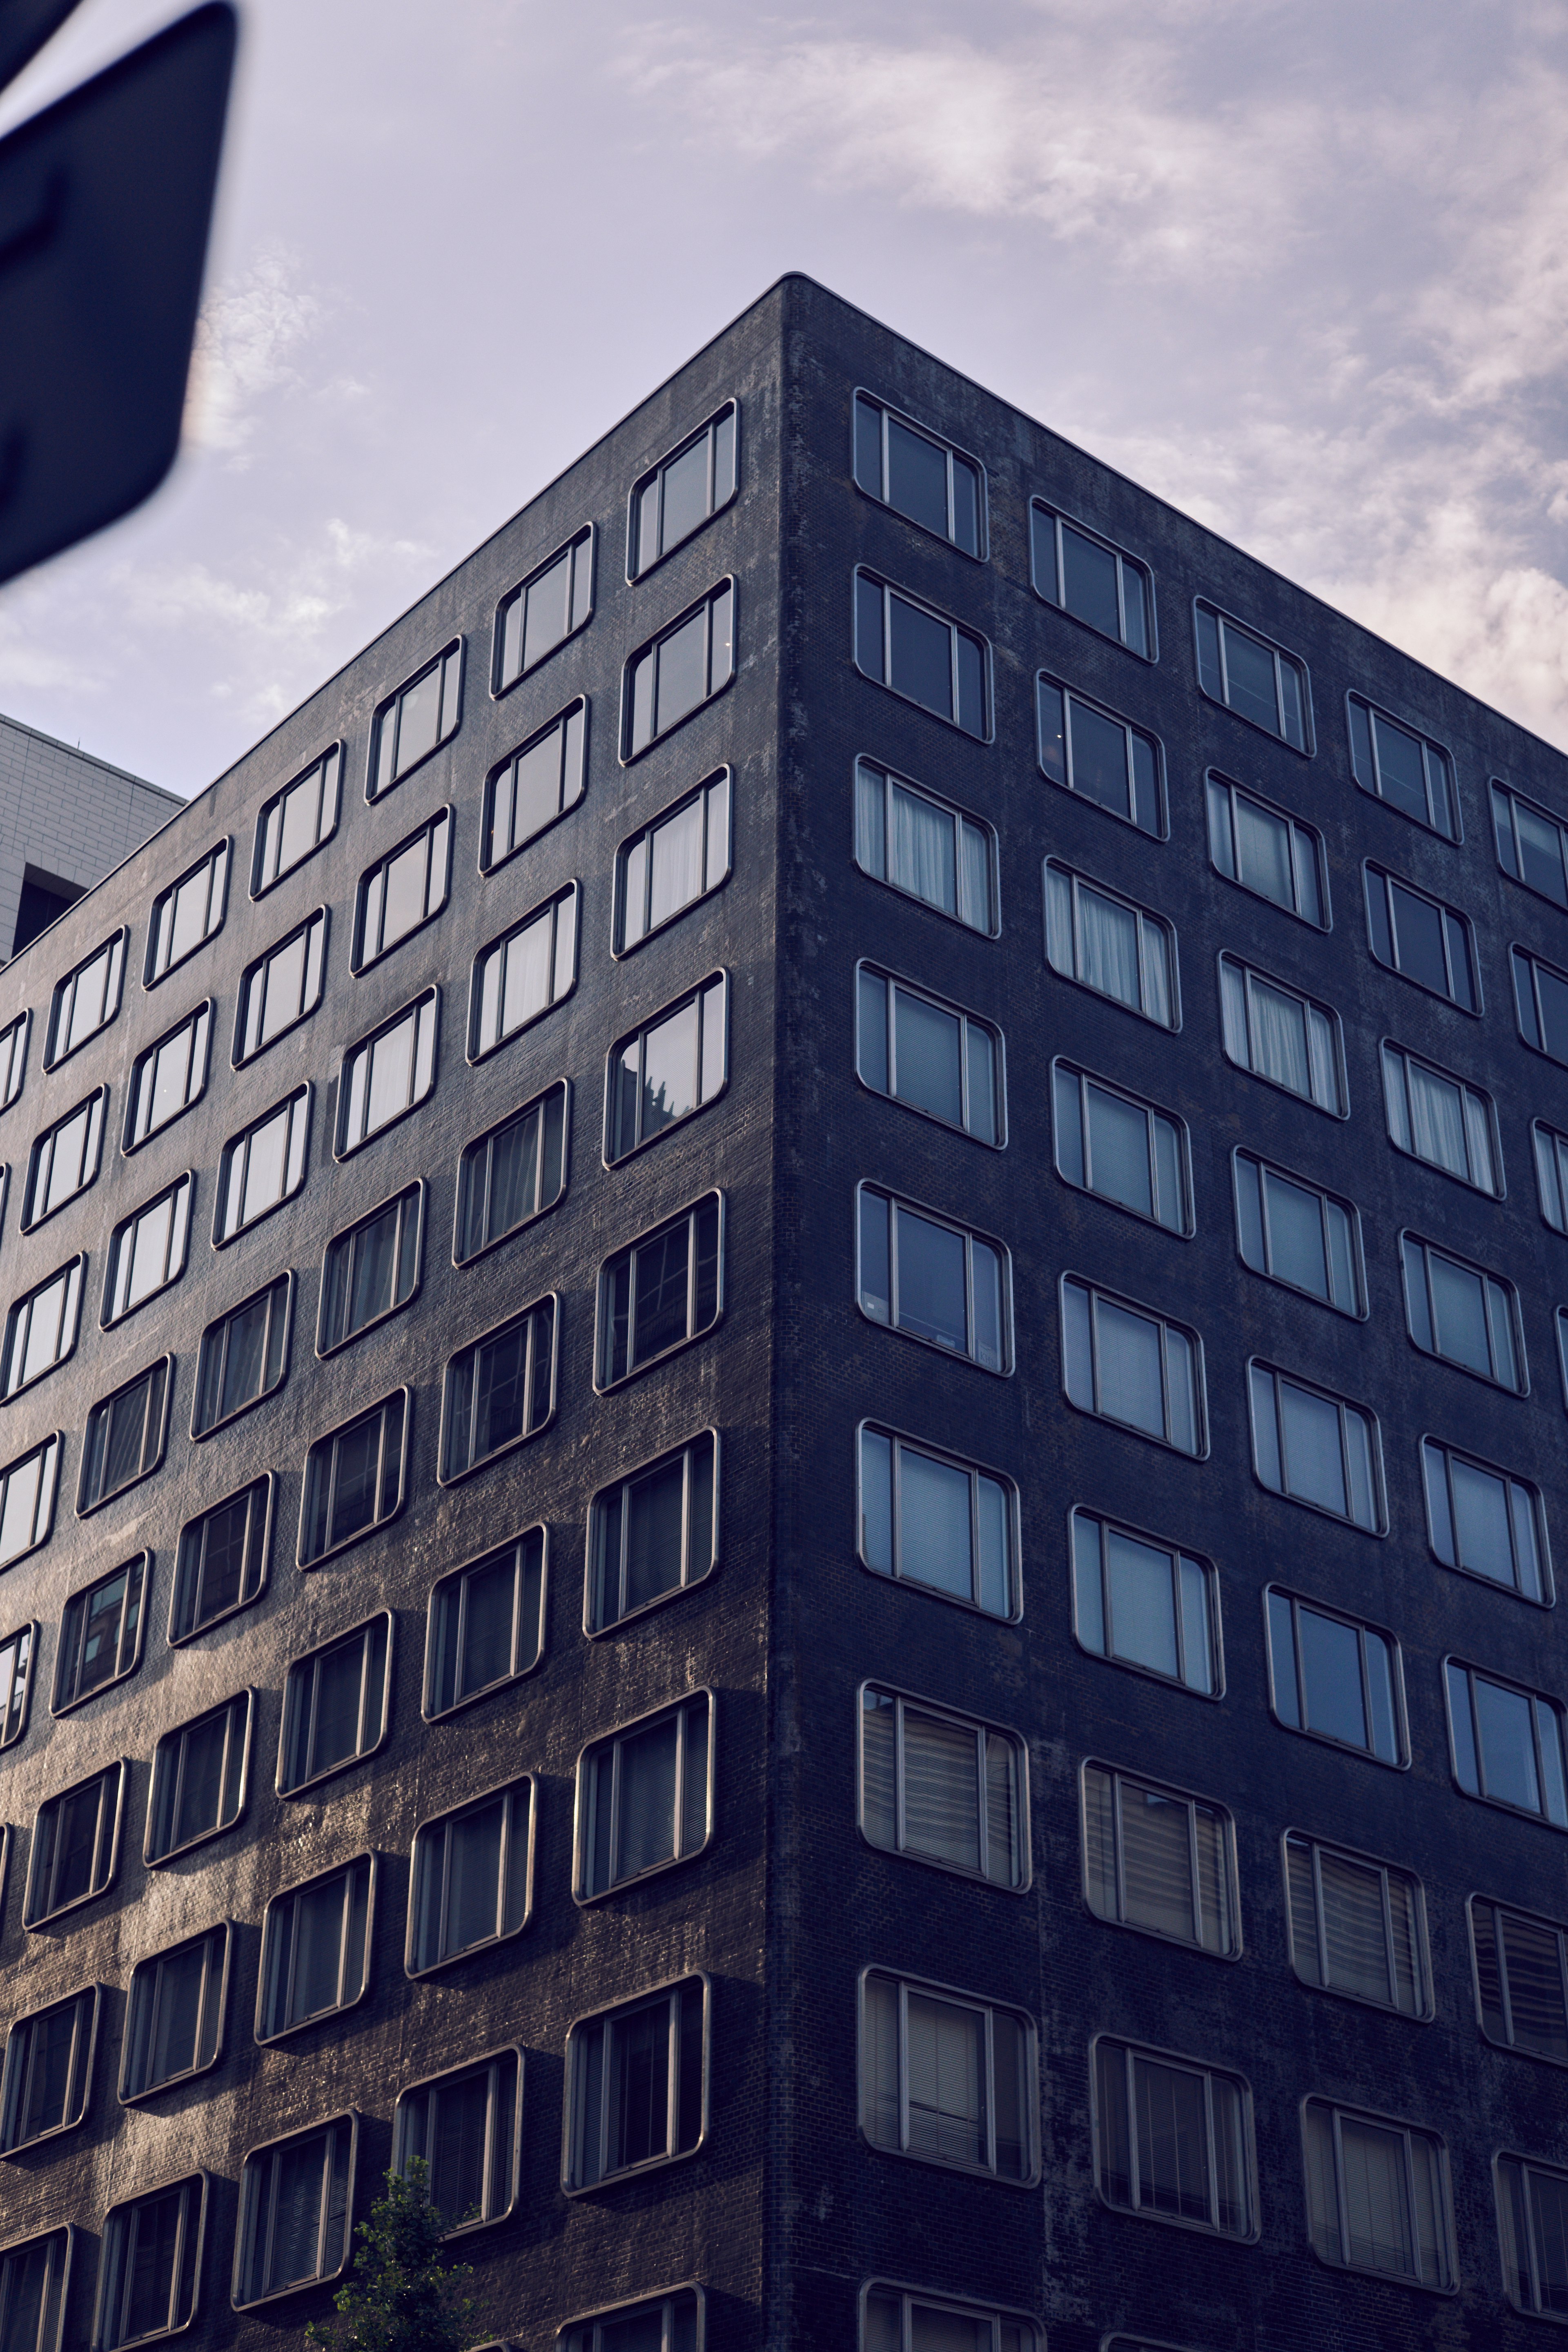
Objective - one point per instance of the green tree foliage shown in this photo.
(403, 2296)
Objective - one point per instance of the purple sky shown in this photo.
(1303, 271)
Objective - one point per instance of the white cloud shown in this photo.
(244, 338)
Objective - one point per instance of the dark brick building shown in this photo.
(783, 1419)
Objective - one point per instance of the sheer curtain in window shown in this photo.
(1108, 947)
(1280, 1038)
(920, 851)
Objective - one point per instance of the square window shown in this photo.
(1412, 773)
(935, 1282)
(1256, 678)
(637, 2085)
(682, 492)
(472, 1881)
(943, 1788)
(1292, 1232)
(41, 1329)
(221, 1565)
(34, 2278)
(1287, 1039)
(18, 1653)
(373, 1269)
(151, 2265)
(1507, 1743)
(921, 655)
(27, 1500)
(1357, 1926)
(296, 2199)
(1377, 2196)
(336, 1702)
(1121, 1149)
(926, 847)
(76, 1845)
(354, 1479)
(930, 1055)
(175, 2015)
(1423, 940)
(1529, 843)
(919, 475)
(85, 1001)
(315, 1949)
(168, 1077)
(293, 824)
(672, 1067)
(1130, 1366)
(486, 1625)
(1111, 945)
(1521, 1980)
(934, 1520)
(1143, 1604)
(281, 988)
(1101, 756)
(1316, 1448)
(654, 1533)
(948, 2079)
(1336, 1678)
(1267, 851)
(645, 1798)
(1160, 1861)
(263, 1167)
(200, 1776)
(125, 1436)
(520, 976)
(1440, 1119)
(1464, 1315)
(101, 1631)
(1091, 578)
(1486, 1522)
(513, 1173)
(663, 1290)
(64, 1160)
(464, 2128)
(1172, 2140)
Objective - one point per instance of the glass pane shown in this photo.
(1295, 1235)
(1139, 1591)
(1119, 1151)
(1088, 582)
(473, 1881)
(935, 1524)
(677, 871)
(921, 656)
(930, 1278)
(646, 1778)
(917, 477)
(946, 2047)
(1157, 1862)
(1099, 758)
(1263, 851)
(1130, 1387)
(942, 1798)
(1314, 1465)
(1353, 1930)
(920, 849)
(684, 494)
(682, 670)
(927, 1046)
(1171, 2141)
(1330, 1672)
(1503, 1719)
(1249, 676)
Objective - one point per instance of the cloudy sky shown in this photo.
(1303, 271)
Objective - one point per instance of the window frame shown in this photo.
(26, 1221)
(1382, 880)
(1163, 1322)
(966, 1020)
(509, 1787)
(1554, 1928)
(447, 1475)
(619, 1486)
(1057, 516)
(1362, 1309)
(1409, 1239)
(60, 2263)
(1032, 2335)
(1510, 1478)
(1428, 744)
(1143, 915)
(428, 1714)
(1178, 2058)
(329, 1437)
(1528, 2167)
(486, 1137)
(58, 1704)
(331, 758)
(1449, 2250)
(20, 1308)
(1496, 788)
(906, 1981)
(1307, 748)
(1544, 1137)
(704, 785)
(245, 2224)
(1387, 1046)
(476, 1047)
(1277, 1372)
(1061, 1065)
(977, 1727)
(1425, 2014)
(120, 1772)
(949, 449)
(153, 1962)
(1216, 779)
(359, 961)
(968, 1235)
(289, 1894)
(1160, 830)
(470, 2066)
(637, 572)
(632, 2306)
(43, 1509)
(223, 848)
(1251, 971)
(501, 683)
(346, 1233)
(113, 2258)
(268, 1480)
(887, 589)
(345, 1145)
(290, 1701)
(612, 1740)
(78, 2075)
(1404, 1756)
(695, 995)
(1119, 1775)
(124, 1230)
(628, 1250)
(1213, 1599)
(889, 777)
(287, 1284)
(152, 1461)
(605, 2016)
(390, 707)
(897, 1440)
(1533, 961)
(1452, 1662)
(200, 1019)
(257, 973)
(170, 1744)
(496, 773)
(725, 586)
(237, 1145)
(26, 1637)
(116, 947)
(14, 1064)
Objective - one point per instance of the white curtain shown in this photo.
(1280, 1038)
(920, 855)
(1438, 1120)
(1108, 947)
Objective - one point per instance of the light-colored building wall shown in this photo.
(65, 816)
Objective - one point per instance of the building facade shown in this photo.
(782, 1423)
(66, 819)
